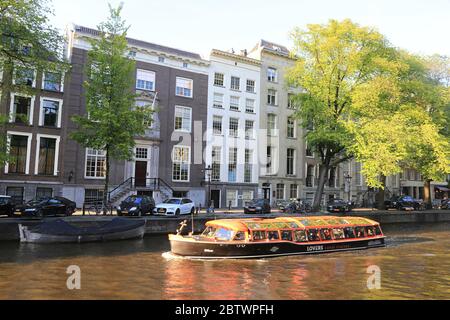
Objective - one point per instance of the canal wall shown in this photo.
(9, 230)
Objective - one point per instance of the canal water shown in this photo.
(415, 265)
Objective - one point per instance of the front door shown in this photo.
(141, 173)
(215, 198)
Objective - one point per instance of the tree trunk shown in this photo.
(106, 188)
(382, 194)
(323, 173)
(427, 194)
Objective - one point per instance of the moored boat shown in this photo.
(263, 238)
(60, 231)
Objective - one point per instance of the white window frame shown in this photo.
(230, 134)
(223, 79)
(247, 86)
(63, 74)
(189, 163)
(149, 72)
(236, 192)
(216, 117)
(250, 134)
(85, 168)
(239, 83)
(247, 110)
(41, 110)
(218, 103)
(182, 119)
(22, 66)
(276, 97)
(184, 79)
(8, 142)
(272, 132)
(275, 80)
(294, 162)
(294, 127)
(238, 103)
(38, 150)
(12, 111)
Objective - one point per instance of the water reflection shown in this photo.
(416, 264)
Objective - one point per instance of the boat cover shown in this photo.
(62, 228)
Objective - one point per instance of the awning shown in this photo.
(443, 189)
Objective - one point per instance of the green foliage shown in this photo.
(27, 41)
(113, 120)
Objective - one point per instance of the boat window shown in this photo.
(286, 235)
(338, 234)
(209, 232)
(370, 231)
(378, 231)
(240, 236)
(313, 235)
(259, 235)
(349, 233)
(274, 235)
(360, 232)
(325, 234)
(224, 234)
(300, 236)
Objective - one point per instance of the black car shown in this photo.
(7, 207)
(260, 206)
(136, 206)
(43, 207)
(339, 205)
(404, 203)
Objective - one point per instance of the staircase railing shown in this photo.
(150, 183)
(126, 184)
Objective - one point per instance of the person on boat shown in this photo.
(370, 232)
(273, 235)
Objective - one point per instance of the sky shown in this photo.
(419, 26)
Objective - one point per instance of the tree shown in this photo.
(113, 120)
(346, 72)
(27, 41)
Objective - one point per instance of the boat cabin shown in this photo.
(299, 230)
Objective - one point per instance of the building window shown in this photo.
(185, 65)
(95, 164)
(219, 79)
(161, 59)
(332, 178)
(50, 113)
(217, 125)
(22, 111)
(42, 193)
(280, 191)
(272, 97)
(232, 165)
(291, 101)
(24, 76)
(251, 86)
(294, 191)
(309, 152)
(149, 119)
(232, 198)
(248, 170)
(183, 119)
(250, 106)
(47, 157)
(269, 166)
(234, 127)
(234, 103)
(310, 176)
(271, 124)
(358, 175)
(235, 83)
(291, 162)
(18, 152)
(16, 193)
(184, 87)
(291, 128)
(145, 80)
(141, 153)
(93, 196)
(216, 163)
(249, 129)
(218, 100)
(247, 196)
(272, 75)
(181, 163)
(132, 54)
(53, 81)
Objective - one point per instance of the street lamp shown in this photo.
(348, 183)
(208, 172)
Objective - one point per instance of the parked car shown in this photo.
(339, 205)
(55, 206)
(283, 204)
(7, 207)
(175, 207)
(260, 206)
(404, 203)
(136, 206)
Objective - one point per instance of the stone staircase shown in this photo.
(158, 186)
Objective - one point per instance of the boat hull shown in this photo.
(206, 250)
(27, 236)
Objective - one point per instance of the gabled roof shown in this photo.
(272, 47)
(143, 44)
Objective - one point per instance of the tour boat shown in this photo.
(264, 238)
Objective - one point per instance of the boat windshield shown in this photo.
(224, 234)
(209, 232)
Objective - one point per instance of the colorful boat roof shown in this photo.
(290, 223)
